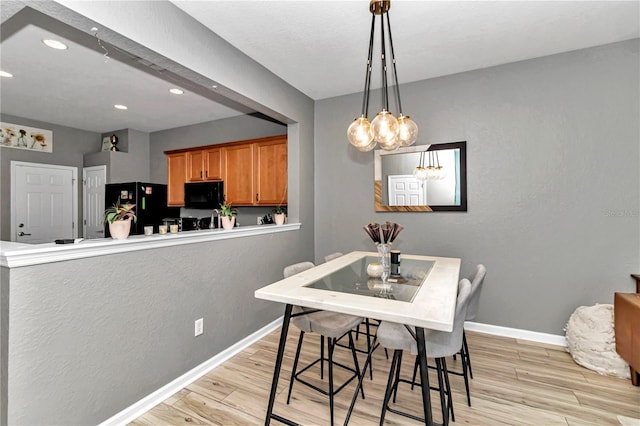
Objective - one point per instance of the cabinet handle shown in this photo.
(206, 173)
(200, 173)
(256, 196)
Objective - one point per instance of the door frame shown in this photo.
(84, 193)
(74, 193)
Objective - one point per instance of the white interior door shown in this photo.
(94, 180)
(406, 190)
(43, 202)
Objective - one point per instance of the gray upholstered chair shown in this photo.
(327, 324)
(477, 280)
(332, 256)
(439, 344)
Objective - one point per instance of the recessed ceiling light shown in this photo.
(120, 106)
(55, 44)
(176, 91)
(5, 74)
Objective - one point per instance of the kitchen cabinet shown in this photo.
(176, 177)
(205, 164)
(238, 174)
(254, 171)
(270, 172)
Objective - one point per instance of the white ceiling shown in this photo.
(319, 47)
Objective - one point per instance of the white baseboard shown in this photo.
(136, 410)
(516, 333)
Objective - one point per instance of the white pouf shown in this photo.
(591, 340)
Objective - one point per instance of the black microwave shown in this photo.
(203, 195)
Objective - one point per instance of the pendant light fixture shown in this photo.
(420, 172)
(385, 129)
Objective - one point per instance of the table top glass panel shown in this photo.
(354, 279)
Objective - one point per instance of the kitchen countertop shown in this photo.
(13, 255)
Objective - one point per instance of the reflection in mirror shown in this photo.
(421, 178)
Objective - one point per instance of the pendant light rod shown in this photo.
(367, 77)
(383, 58)
(395, 69)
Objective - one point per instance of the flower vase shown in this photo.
(228, 223)
(279, 218)
(120, 229)
(384, 251)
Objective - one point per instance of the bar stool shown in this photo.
(439, 344)
(327, 324)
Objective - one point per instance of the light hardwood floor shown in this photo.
(515, 383)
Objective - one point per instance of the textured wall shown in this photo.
(86, 345)
(69, 147)
(553, 181)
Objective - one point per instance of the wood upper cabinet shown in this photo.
(205, 164)
(254, 171)
(270, 172)
(176, 177)
(238, 174)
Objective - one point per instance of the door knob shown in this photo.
(22, 234)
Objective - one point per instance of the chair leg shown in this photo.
(397, 378)
(448, 385)
(415, 372)
(321, 357)
(441, 391)
(466, 353)
(387, 393)
(466, 377)
(295, 365)
(355, 360)
(331, 343)
(368, 328)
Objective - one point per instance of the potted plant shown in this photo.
(119, 217)
(279, 214)
(228, 215)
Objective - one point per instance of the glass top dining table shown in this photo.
(424, 296)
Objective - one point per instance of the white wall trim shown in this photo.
(516, 333)
(147, 403)
(137, 409)
(13, 255)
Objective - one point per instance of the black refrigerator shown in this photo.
(150, 200)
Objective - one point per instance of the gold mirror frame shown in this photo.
(377, 184)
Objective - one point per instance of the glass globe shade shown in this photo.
(359, 133)
(390, 146)
(431, 173)
(440, 173)
(420, 173)
(367, 147)
(384, 128)
(407, 130)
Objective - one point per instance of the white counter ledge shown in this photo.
(13, 255)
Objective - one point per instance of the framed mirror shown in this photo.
(422, 178)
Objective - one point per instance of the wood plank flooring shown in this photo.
(515, 383)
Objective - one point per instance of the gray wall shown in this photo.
(69, 147)
(86, 347)
(553, 181)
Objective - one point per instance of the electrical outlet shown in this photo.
(199, 327)
(259, 221)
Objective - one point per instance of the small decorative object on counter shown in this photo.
(227, 215)
(374, 269)
(383, 236)
(162, 229)
(279, 215)
(119, 217)
(114, 143)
